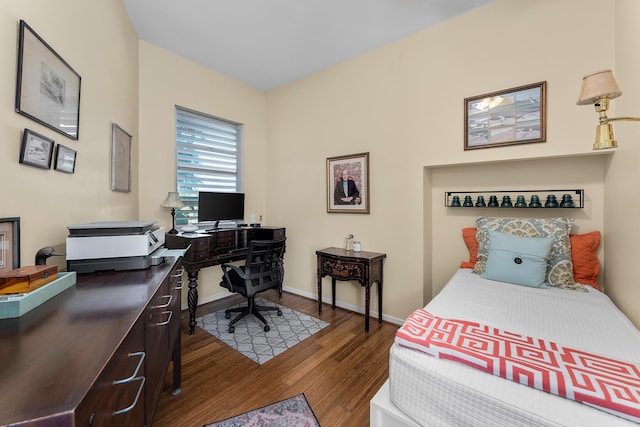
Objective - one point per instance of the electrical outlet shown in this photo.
(260, 217)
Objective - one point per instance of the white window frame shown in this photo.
(209, 149)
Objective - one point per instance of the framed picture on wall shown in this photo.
(120, 159)
(507, 117)
(9, 244)
(48, 89)
(348, 183)
(65, 159)
(36, 150)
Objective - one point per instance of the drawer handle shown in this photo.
(131, 379)
(170, 297)
(178, 273)
(168, 320)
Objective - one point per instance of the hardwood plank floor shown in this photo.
(339, 369)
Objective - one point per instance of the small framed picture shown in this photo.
(9, 244)
(507, 117)
(348, 183)
(48, 89)
(65, 159)
(120, 159)
(36, 150)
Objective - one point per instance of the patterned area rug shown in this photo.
(292, 412)
(251, 340)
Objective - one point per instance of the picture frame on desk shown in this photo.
(9, 244)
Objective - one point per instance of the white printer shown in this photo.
(113, 245)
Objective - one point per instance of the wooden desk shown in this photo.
(96, 354)
(364, 267)
(215, 248)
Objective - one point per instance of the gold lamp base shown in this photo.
(604, 137)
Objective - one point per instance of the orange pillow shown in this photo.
(586, 266)
(469, 236)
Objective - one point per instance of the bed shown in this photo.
(424, 390)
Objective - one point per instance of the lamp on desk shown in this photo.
(172, 201)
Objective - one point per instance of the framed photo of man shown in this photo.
(348, 184)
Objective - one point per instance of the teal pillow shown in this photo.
(518, 260)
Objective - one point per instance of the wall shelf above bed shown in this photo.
(531, 199)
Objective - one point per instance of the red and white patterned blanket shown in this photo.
(607, 384)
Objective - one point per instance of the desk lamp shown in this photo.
(172, 201)
(598, 89)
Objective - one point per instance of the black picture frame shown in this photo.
(47, 88)
(9, 244)
(65, 159)
(506, 117)
(356, 169)
(36, 150)
(120, 159)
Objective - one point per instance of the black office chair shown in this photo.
(263, 269)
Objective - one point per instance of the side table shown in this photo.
(361, 266)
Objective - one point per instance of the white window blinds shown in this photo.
(207, 158)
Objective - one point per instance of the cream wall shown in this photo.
(403, 103)
(97, 39)
(167, 80)
(622, 182)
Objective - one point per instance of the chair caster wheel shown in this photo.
(231, 329)
(227, 315)
(267, 328)
(279, 312)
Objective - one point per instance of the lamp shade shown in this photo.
(173, 200)
(598, 85)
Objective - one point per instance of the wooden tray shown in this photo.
(17, 305)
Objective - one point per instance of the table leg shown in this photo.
(192, 299)
(333, 292)
(367, 287)
(380, 301)
(319, 293)
(177, 366)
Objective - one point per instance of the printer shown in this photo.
(113, 245)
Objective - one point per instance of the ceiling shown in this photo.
(269, 43)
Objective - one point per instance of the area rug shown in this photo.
(292, 412)
(252, 341)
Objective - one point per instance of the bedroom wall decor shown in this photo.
(598, 89)
(120, 159)
(48, 89)
(556, 198)
(348, 183)
(36, 150)
(506, 117)
(65, 159)
(9, 244)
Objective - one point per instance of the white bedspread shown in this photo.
(436, 392)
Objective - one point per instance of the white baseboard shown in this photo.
(309, 295)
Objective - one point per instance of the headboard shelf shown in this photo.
(531, 199)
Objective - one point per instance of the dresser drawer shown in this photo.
(342, 269)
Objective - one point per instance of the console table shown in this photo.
(341, 264)
(214, 248)
(96, 354)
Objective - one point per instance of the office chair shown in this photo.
(263, 269)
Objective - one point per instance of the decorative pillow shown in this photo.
(518, 260)
(586, 265)
(469, 237)
(559, 267)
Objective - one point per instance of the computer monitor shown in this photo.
(216, 206)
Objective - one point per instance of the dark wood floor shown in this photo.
(339, 369)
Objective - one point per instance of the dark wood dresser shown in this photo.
(97, 353)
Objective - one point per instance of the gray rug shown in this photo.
(252, 341)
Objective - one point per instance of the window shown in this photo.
(207, 159)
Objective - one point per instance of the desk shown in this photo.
(341, 264)
(215, 248)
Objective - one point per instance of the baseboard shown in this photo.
(349, 307)
(309, 295)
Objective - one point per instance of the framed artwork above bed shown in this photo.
(506, 117)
